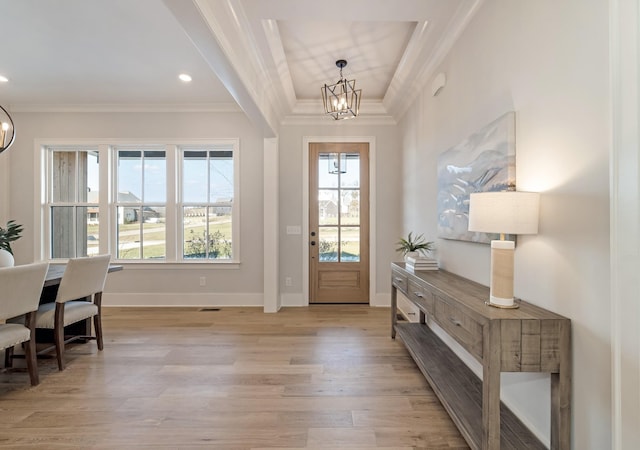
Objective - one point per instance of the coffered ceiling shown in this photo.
(266, 57)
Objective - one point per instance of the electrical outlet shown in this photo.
(203, 281)
(288, 281)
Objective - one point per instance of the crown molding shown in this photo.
(127, 108)
(423, 56)
(310, 112)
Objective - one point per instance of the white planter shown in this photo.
(411, 255)
(6, 259)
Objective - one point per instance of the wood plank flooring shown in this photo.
(323, 377)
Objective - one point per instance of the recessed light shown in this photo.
(185, 77)
(3, 79)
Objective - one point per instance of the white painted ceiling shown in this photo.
(268, 56)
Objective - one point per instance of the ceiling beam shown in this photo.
(205, 30)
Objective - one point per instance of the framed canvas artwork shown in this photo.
(485, 161)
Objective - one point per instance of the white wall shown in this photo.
(548, 61)
(385, 182)
(153, 284)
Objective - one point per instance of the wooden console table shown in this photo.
(526, 339)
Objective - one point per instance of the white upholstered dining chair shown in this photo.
(20, 289)
(79, 298)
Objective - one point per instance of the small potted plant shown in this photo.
(12, 232)
(414, 246)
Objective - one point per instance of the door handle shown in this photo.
(313, 242)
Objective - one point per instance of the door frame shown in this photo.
(371, 140)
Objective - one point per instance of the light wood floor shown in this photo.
(324, 377)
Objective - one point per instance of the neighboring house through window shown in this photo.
(162, 202)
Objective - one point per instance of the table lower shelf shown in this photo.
(460, 390)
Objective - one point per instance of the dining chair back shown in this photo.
(79, 298)
(20, 289)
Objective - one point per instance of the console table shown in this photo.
(526, 339)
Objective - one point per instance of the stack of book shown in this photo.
(420, 264)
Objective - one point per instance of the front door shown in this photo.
(339, 222)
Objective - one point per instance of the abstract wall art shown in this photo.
(485, 161)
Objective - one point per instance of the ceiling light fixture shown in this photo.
(7, 131)
(185, 77)
(3, 79)
(341, 100)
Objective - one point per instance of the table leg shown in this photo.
(394, 310)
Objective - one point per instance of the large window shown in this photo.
(73, 202)
(141, 203)
(207, 203)
(159, 203)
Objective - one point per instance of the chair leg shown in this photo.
(58, 333)
(8, 357)
(97, 324)
(32, 362)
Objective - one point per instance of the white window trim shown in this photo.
(108, 241)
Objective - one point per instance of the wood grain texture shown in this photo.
(528, 338)
(324, 377)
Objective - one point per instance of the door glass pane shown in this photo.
(154, 232)
(350, 244)
(328, 244)
(328, 207)
(328, 177)
(349, 207)
(351, 176)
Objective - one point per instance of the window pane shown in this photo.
(63, 177)
(155, 177)
(194, 177)
(350, 176)
(220, 177)
(93, 178)
(154, 235)
(129, 232)
(349, 244)
(62, 238)
(328, 244)
(93, 231)
(81, 213)
(349, 207)
(129, 176)
(219, 233)
(327, 173)
(194, 232)
(328, 207)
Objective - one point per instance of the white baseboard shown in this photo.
(178, 299)
(293, 300)
(381, 300)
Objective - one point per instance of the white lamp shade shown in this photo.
(508, 212)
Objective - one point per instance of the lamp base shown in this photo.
(497, 305)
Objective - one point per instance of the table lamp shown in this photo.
(508, 212)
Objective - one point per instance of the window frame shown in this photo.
(107, 204)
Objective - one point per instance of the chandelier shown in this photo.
(7, 132)
(341, 100)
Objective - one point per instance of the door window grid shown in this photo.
(338, 207)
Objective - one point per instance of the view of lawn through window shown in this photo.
(203, 202)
